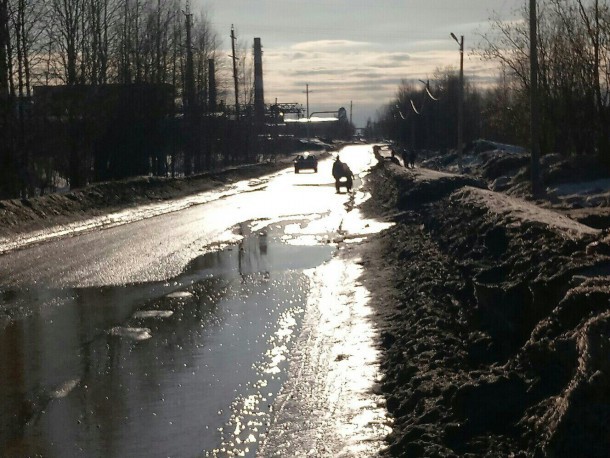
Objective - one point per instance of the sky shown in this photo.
(355, 53)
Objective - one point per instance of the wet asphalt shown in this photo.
(173, 335)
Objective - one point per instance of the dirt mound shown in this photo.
(494, 316)
(578, 186)
(19, 216)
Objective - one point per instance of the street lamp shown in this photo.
(460, 42)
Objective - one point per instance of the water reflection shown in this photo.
(180, 368)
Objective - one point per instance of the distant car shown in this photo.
(306, 161)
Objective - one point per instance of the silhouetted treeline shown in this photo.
(424, 115)
(101, 89)
(574, 81)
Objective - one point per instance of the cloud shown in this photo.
(320, 72)
(330, 46)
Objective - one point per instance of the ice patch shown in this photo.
(131, 333)
(179, 295)
(64, 389)
(153, 314)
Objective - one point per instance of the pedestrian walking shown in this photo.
(412, 157)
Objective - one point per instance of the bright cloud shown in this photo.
(330, 46)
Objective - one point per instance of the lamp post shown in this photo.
(460, 42)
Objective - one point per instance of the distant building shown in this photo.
(111, 130)
(107, 100)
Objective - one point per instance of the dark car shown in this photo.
(306, 161)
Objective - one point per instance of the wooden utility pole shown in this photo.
(534, 107)
(189, 76)
(307, 98)
(158, 69)
(461, 105)
(351, 111)
(189, 99)
(235, 77)
(460, 145)
(307, 102)
(212, 91)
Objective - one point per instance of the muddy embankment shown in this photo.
(495, 321)
(19, 216)
(25, 215)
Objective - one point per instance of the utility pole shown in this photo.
(534, 103)
(210, 123)
(189, 97)
(351, 111)
(460, 145)
(307, 99)
(189, 76)
(212, 91)
(158, 68)
(235, 78)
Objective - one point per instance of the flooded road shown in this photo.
(216, 330)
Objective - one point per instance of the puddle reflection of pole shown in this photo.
(240, 249)
(240, 254)
(252, 248)
(262, 243)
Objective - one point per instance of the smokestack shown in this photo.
(259, 98)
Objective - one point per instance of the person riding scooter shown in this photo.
(341, 170)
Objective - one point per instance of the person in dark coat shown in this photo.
(393, 158)
(342, 170)
(377, 152)
(412, 157)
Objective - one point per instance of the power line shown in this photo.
(413, 106)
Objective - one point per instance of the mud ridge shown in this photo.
(494, 319)
(25, 215)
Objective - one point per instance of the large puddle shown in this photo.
(187, 367)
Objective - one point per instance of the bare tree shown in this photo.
(246, 73)
(95, 42)
(26, 28)
(100, 17)
(574, 53)
(8, 169)
(65, 27)
(205, 46)
(4, 51)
